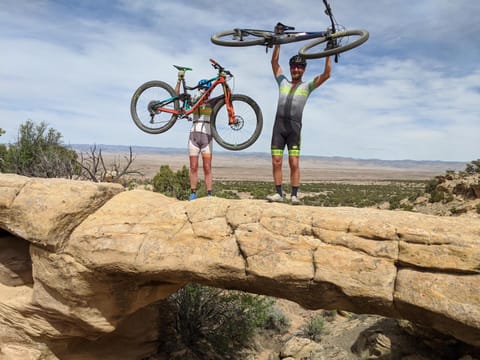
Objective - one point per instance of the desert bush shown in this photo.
(218, 324)
(313, 328)
(437, 196)
(329, 315)
(172, 184)
(3, 155)
(38, 152)
(277, 321)
(431, 185)
(473, 167)
(227, 194)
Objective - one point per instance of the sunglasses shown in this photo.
(296, 66)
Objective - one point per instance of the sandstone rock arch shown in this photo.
(100, 255)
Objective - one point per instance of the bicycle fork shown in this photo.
(228, 102)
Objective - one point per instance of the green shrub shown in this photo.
(329, 315)
(313, 328)
(218, 324)
(473, 167)
(227, 194)
(437, 196)
(277, 321)
(38, 152)
(431, 185)
(172, 184)
(406, 207)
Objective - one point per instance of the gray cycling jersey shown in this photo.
(292, 98)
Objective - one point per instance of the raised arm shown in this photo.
(181, 76)
(320, 79)
(277, 70)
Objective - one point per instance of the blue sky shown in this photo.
(412, 91)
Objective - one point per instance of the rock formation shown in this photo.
(81, 263)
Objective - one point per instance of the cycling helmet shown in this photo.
(297, 60)
(204, 84)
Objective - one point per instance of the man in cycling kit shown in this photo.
(200, 140)
(292, 98)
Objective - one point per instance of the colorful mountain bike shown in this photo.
(236, 120)
(335, 40)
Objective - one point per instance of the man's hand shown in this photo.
(279, 28)
(181, 75)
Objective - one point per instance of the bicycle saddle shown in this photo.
(182, 68)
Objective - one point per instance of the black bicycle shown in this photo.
(335, 40)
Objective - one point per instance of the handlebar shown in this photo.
(328, 11)
(220, 68)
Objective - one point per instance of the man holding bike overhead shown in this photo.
(292, 98)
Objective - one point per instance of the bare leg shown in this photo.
(277, 169)
(193, 172)
(207, 170)
(294, 162)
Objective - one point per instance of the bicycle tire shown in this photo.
(153, 91)
(226, 38)
(360, 36)
(247, 129)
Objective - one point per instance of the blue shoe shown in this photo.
(192, 196)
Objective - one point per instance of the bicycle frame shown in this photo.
(186, 109)
(283, 38)
(286, 36)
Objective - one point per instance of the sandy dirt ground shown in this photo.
(257, 167)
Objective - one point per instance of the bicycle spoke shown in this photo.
(246, 128)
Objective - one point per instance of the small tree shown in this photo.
(38, 152)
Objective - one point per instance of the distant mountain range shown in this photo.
(452, 165)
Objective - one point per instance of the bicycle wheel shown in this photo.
(248, 125)
(142, 107)
(346, 40)
(250, 38)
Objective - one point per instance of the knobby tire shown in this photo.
(245, 132)
(316, 49)
(225, 38)
(153, 91)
